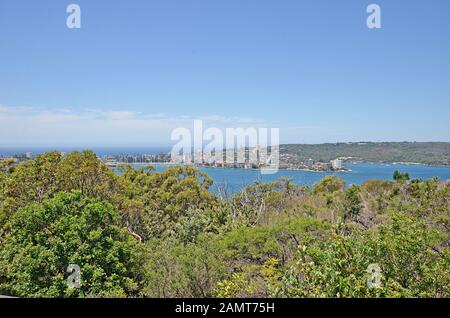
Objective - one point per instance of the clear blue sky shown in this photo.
(143, 67)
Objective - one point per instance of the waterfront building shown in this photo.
(336, 164)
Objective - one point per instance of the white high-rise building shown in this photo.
(336, 164)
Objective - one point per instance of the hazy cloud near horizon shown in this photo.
(64, 127)
(28, 126)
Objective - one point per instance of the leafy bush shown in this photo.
(44, 238)
(164, 234)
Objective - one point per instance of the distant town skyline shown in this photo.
(137, 70)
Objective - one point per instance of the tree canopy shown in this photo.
(45, 238)
(142, 233)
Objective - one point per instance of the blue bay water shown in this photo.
(234, 180)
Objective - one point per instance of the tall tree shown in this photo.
(45, 238)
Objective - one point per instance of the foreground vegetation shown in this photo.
(146, 234)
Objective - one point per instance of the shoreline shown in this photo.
(405, 164)
(299, 169)
(236, 168)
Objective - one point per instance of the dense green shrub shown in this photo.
(164, 234)
(45, 238)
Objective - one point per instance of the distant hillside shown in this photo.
(433, 153)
